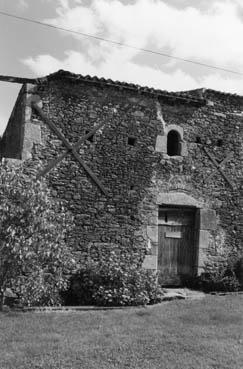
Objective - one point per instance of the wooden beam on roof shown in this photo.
(20, 80)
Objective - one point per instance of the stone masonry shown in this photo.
(129, 156)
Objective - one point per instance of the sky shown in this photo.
(205, 31)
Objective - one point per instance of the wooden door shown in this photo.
(177, 252)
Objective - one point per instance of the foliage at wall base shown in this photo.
(115, 279)
(34, 259)
(219, 277)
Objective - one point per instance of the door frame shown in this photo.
(189, 209)
(206, 222)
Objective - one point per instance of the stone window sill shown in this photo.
(173, 158)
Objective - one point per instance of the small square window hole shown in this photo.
(220, 142)
(131, 141)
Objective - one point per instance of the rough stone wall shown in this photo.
(141, 177)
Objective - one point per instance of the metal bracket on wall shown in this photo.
(218, 165)
(70, 148)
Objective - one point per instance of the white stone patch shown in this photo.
(149, 245)
(220, 239)
(152, 233)
(150, 262)
(160, 115)
(161, 144)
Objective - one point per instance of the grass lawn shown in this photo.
(200, 334)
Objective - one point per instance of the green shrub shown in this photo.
(220, 283)
(35, 261)
(222, 271)
(114, 279)
(221, 280)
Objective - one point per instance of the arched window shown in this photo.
(173, 143)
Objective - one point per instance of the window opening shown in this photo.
(220, 142)
(198, 140)
(131, 141)
(173, 143)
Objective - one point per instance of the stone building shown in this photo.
(137, 167)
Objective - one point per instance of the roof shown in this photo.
(184, 96)
(196, 97)
(205, 92)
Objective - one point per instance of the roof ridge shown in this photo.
(203, 90)
(131, 86)
(187, 94)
